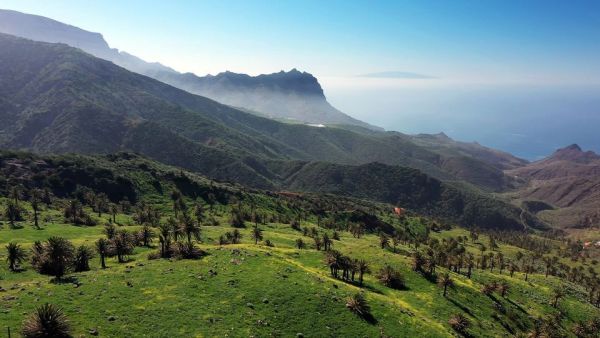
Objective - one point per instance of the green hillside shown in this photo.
(270, 284)
(59, 99)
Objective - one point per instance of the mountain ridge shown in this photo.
(305, 102)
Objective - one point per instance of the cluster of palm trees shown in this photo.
(56, 257)
(346, 268)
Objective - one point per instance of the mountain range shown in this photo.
(294, 96)
(57, 98)
(568, 181)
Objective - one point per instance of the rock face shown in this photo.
(293, 95)
(568, 179)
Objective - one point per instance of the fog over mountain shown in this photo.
(294, 96)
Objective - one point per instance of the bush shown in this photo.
(47, 321)
(459, 323)
(358, 305)
(391, 278)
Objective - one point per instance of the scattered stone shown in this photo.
(299, 335)
(111, 318)
(140, 264)
(250, 305)
(93, 332)
(265, 300)
(2, 289)
(9, 297)
(129, 284)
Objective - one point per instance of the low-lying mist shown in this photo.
(527, 120)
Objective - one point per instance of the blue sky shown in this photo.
(494, 41)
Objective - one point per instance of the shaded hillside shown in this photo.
(568, 179)
(410, 189)
(59, 99)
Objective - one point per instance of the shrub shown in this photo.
(391, 278)
(358, 305)
(47, 321)
(459, 323)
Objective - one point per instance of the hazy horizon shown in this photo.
(505, 77)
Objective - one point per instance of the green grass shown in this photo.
(268, 291)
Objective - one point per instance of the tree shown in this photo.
(503, 288)
(114, 210)
(459, 323)
(36, 201)
(176, 198)
(13, 213)
(82, 258)
(15, 256)
(102, 247)
(446, 282)
(101, 203)
(145, 235)
(358, 305)
(48, 321)
(54, 257)
(189, 227)
(557, 294)
(164, 237)
(391, 278)
(363, 268)
(327, 242)
(300, 244)
(256, 234)
(122, 245)
(15, 193)
(384, 240)
(199, 212)
(512, 267)
(73, 211)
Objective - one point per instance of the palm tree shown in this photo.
(326, 242)
(257, 234)
(102, 247)
(58, 255)
(73, 211)
(122, 245)
(48, 321)
(176, 197)
(16, 255)
(164, 238)
(36, 200)
(503, 288)
(236, 236)
(512, 268)
(114, 210)
(101, 203)
(358, 305)
(333, 259)
(557, 294)
(384, 240)
(82, 258)
(145, 235)
(199, 212)
(363, 268)
(446, 282)
(13, 213)
(189, 227)
(15, 193)
(300, 244)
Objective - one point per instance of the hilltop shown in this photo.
(422, 277)
(569, 180)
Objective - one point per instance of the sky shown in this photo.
(492, 41)
(494, 70)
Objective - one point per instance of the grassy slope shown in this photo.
(181, 298)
